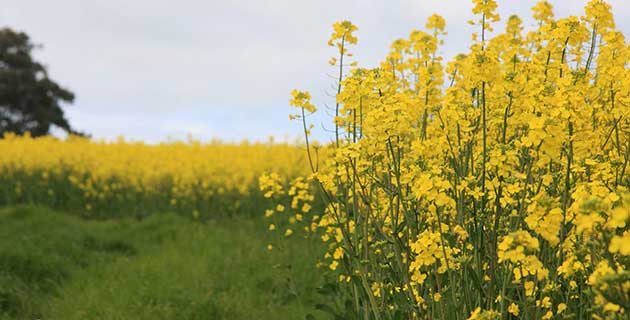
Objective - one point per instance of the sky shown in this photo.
(158, 70)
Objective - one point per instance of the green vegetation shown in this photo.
(58, 266)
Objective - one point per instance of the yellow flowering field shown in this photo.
(99, 179)
(491, 186)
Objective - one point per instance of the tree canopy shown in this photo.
(29, 100)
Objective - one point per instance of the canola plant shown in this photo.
(491, 186)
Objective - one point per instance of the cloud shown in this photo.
(222, 67)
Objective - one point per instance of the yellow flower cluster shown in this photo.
(513, 249)
(498, 182)
(125, 178)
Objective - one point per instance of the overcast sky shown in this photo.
(154, 69)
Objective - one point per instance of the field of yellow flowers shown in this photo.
(491, 186)
(99, 179)
(127, 230)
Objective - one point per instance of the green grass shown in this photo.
(58, 266)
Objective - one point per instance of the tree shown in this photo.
(29, 100)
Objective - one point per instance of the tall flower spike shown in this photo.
(514, 26)
(543, 11)
(487, 8)
(436, 24)
(343, 30)
(342, 34)
(599, 13)
(302, 99)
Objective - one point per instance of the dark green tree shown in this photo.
(29, 100)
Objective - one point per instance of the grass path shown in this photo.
(57, 266)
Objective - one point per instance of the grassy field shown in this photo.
(58, 266)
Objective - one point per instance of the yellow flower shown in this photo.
(435, 22)
(342, 31)
(544, 303)
(302, 99)
(561, 307)
(543, 11)
(611, 307)
(376, 289)
(513, 309)
(475, 314)
(529, 288)
(620, 244)
(338, 254)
